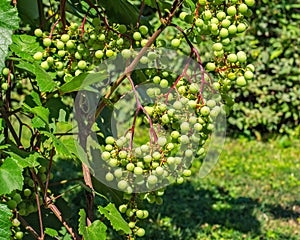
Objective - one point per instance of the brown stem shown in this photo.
(63, 13)
(28, 227)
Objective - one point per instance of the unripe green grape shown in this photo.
(232, 29)
(19, 235)
(179, 180)
(122, 154)
(156, 156)
(118, 173)
(144, 42)
(122, 29)
(38, 32)
(175, 134)
(221, 15)
(152, 180)
(217, 46)
(138, 170)
(11, 204)
(17, 197)
(210, 66)
(250, 67)
(177, 105)
(50, 60)
(73, 26)
(82, 64)
(38, 56)
(207, 15)
(231, 11)
(184, 139)
(45, 65)
(211, 103)
(105, 155)
(60, 45)
(214, 28)
(185, 127)
(61, 53)
(202, 2)
(241, 81)
(232, 58)
(139, 214)
(123, 208)
(161, 141)
(126, 53)
(47, 42)
(225, 23)
(248, 75)
(241, 27)
(122, 185)
(231, 76)
(109, 53)
(143, 29)
(243, 8)
(199, 22)
(205, 111)
(198, 127)
(187, 172)
(147, 159)
(59, 65)
(15, 222)
(175, 42)
(143, 60)
(140, 232)
(109, 140)
(131, 224)
(159, 201)
(250, 3)
(165, 119)
(109, 177)
(224, 33)
(137, 36)
(216, 86)
(130, 167)
(145, 148)
(159, 171)
(70, 44)
(27, 192)
(242, 57)
(5, 71)
(113, 162)
(182, 15)
(129, 213)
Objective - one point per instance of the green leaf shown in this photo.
(191, 5)
(5, 222)
(25, 46)
(51, 232)
(276, 53)
(40, 112)
(11, 177)
(96, 231)
(60, 147)
(82, 81)
(115, 218)
(44, 80)
(5, 36)
(23, 161)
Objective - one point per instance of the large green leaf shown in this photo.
(43, 79)
(115, 218)
(5, 222)
(96, 231)
(82, 81)
(9, 21)
(11, 177)
(60, 147)
(25, 46)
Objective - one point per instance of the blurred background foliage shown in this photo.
(270, 104)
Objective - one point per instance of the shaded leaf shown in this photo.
(5, 222)
(51, 232)
(44, 80)
(115, 218)
(82, 81)
(5, 41)
(60, 147)
(11, 177)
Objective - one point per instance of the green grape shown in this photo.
(130, 167)
(250, 67)
(144, 60)
(242, 57)
(70, 44)
(78, 56)
(19, 235)
(38, 32)
(231, 11)
(202, 2)
(205, 111)
(232, 29)
(221, 15)
(143, 29)
(241, 27)
(225, 23)
(140, 232)
(11, 204)
(159, 171)
(47, 42)
(122, 185)
(27, 192)
(118, 173)
(122, 29)
(109, 140)
(241, 81)
(248, 75)
(38, 56)
(123, 208)
(175, 43)
(109, 53)
(224, 33)
(164, 83)
(61, 53)
(131, 224)
(109, 177)
(5, 71)
(250, 3)
(59, 65)
(232, 58)
(199, 22)
(45, 65)
(210, 66)
(139, 214)
(16, 222)
(60, 45)
(82, 64)
(243, 8)
(184, 139)
(17, 197)
(217, 46)
(161, 141)
(207, 15)
(187, 172)
(137, 36)
(182, 15)
(138, 170)
(126, 53)
(185, 127)
(105, 155)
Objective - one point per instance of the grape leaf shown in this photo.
(191, 4)
(51, 232)
(9, 21)
(83, 80)
(40, 112)
(10, 176)
(96, 231)
(28, 160)
(60, 147)
(25, 46)
(5, 222)
(115, 218)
